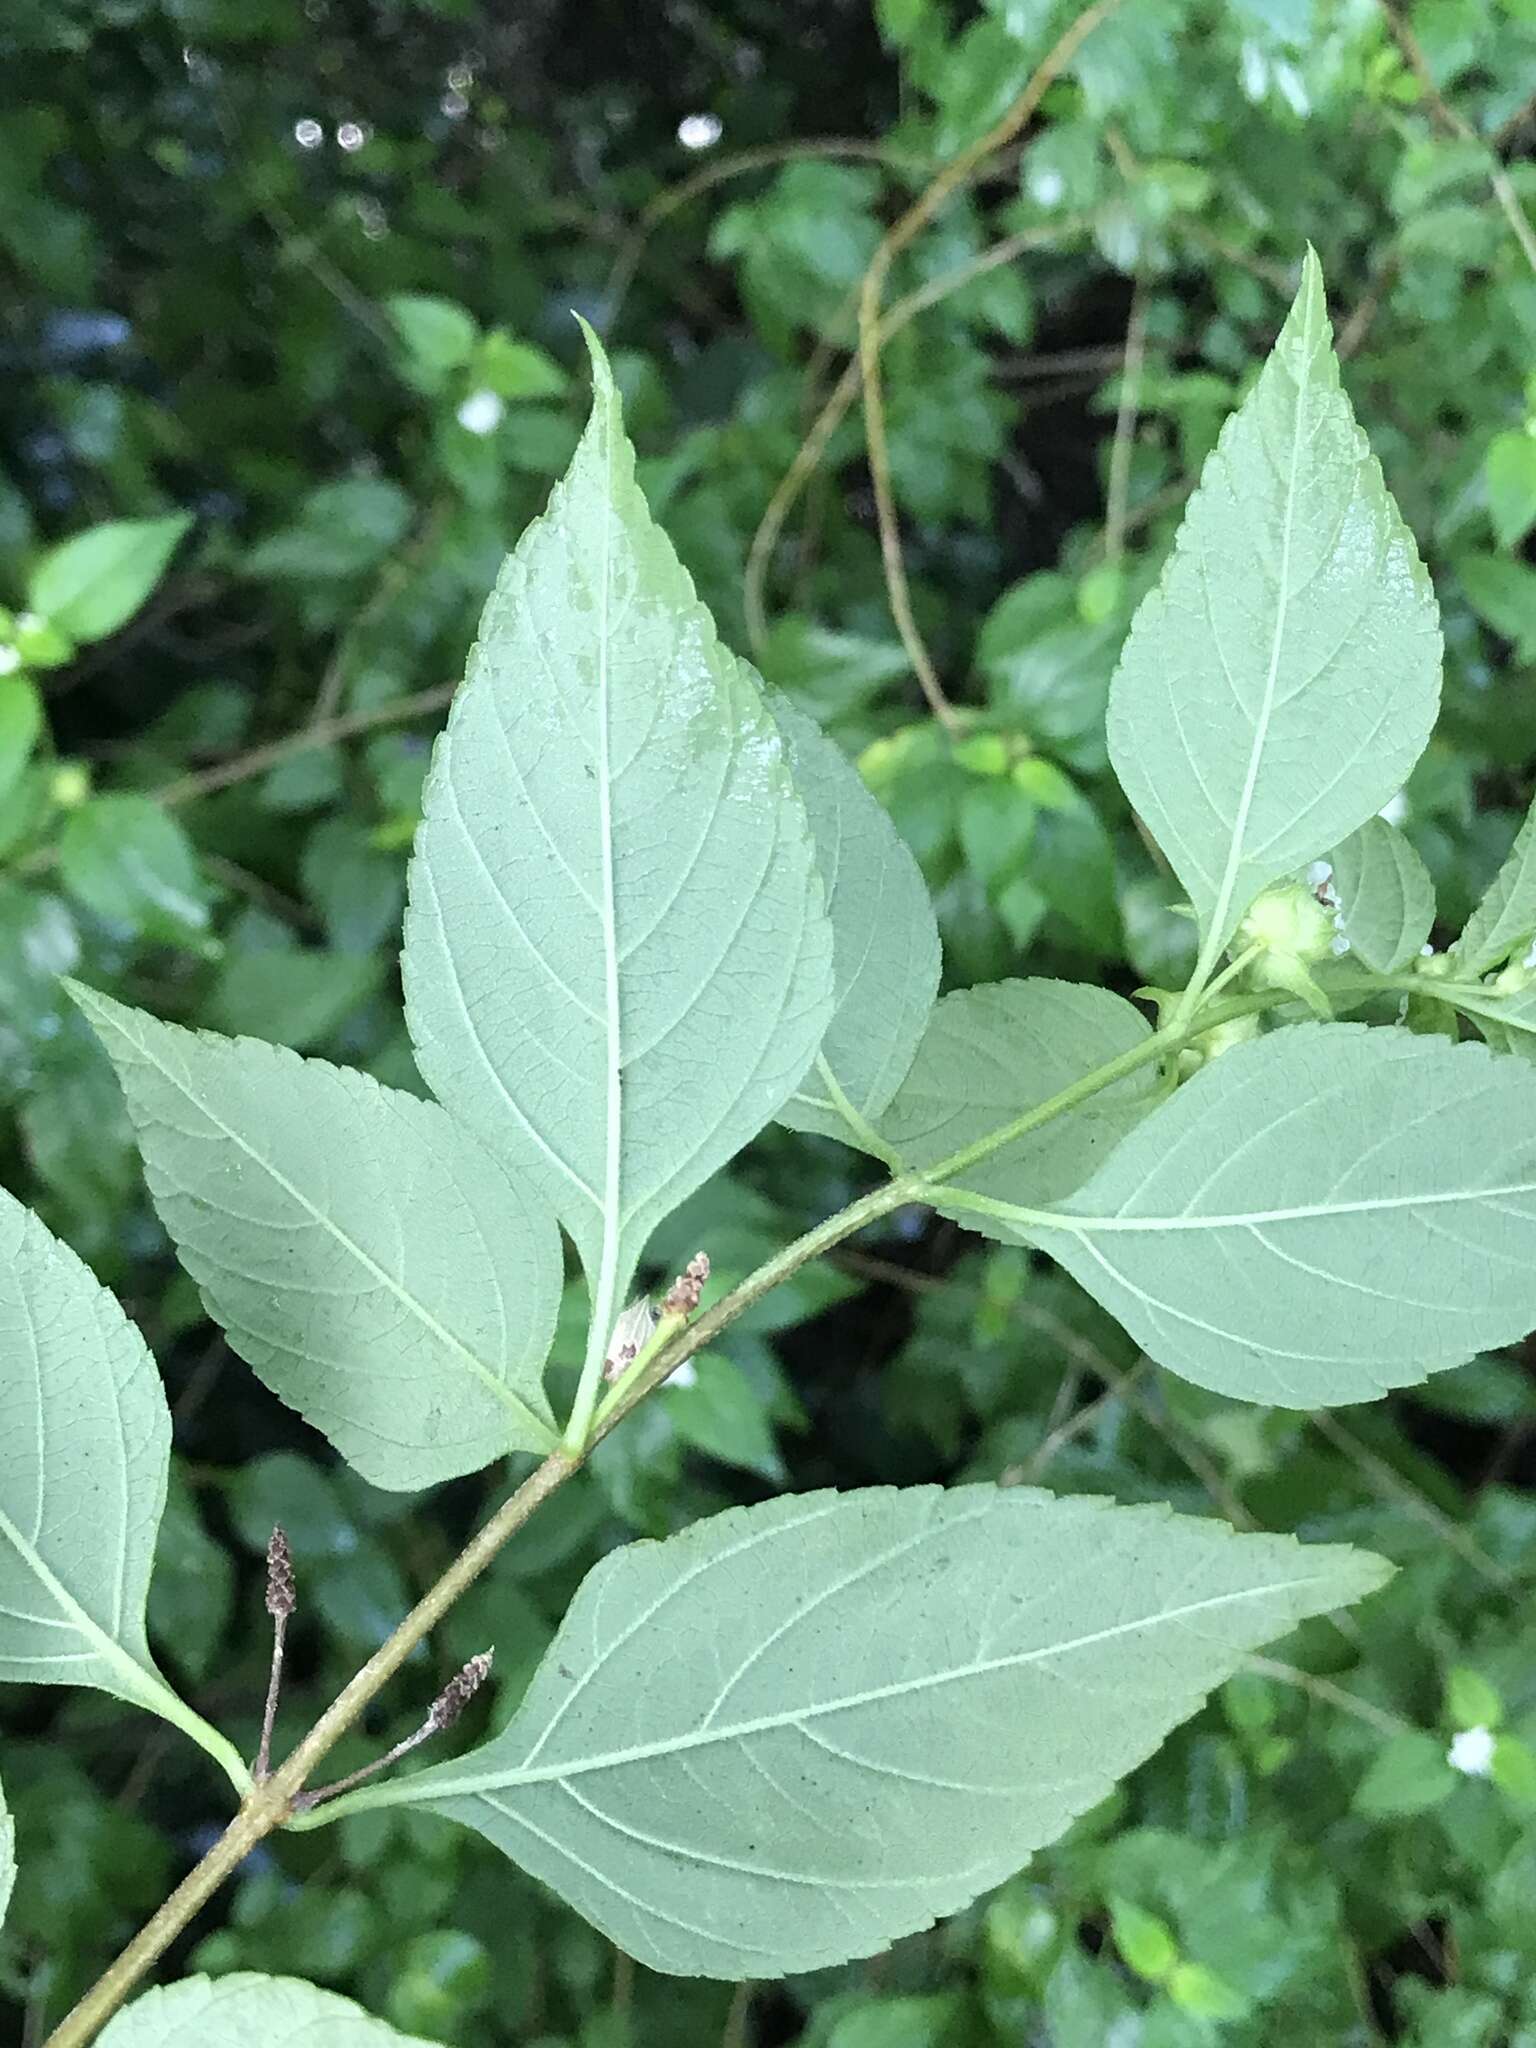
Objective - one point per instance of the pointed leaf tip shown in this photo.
(602, 369)
(771, 1802)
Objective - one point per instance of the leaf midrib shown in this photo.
(452, 1344)
(1251, 1218)
(1235, 850)
(790, 1717)
(607, 1281)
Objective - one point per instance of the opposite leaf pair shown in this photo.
(649, 912)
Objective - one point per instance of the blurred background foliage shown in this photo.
(289, 361)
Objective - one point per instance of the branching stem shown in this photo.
(277, 1801)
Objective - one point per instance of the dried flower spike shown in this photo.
(282, 1592)
(282, 1598)
(683, 1295)
(443, 1712)
(459, 1691)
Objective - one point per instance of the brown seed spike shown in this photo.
(684, 1293)
(282, 1591)
(459, 1691)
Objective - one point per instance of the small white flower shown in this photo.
(481, 412)
(700, 131)
(10, 661)
(1396, 811)
(1471, 1752)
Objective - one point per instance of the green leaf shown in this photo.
(885, 942)
(439, 333)
(21, 721)
(293, 998)
(1503, 594)
(1071, 858)
(720, 1413)
(1048, 668)
(129, 861)
(826, 673)
(1408, 1774)
(517, 369)
(1505, 918)
(1470, 1700)
(1386, 899)
(1201, 1992)
(1514, 1769)
(1506, 1018)
(94, 583)
(911, 2022)
(1283, 677)
(192, 1592)
(617, 963)
(248, 2011)
(358, 890)
(82, 1474)
(377, 1268)
(1145, 1941)
(996, 823)
(1317, 1216)
(340, 530)
(991, 1055)
(1510, 472)
(800, 1730)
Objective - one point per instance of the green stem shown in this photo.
(895, 1194)
(171, 1707)
(1232, 970)
(868, 1137)
(605, 1311)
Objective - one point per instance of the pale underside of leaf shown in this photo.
(1281, 680)
(617, 962)
(990, 1055)
(84, 1446)
(1506, 917)
(1386, 898)
(372, 1262)
(1318, 1216)
(886, 956)
(247, 2010)
(800, 1730)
